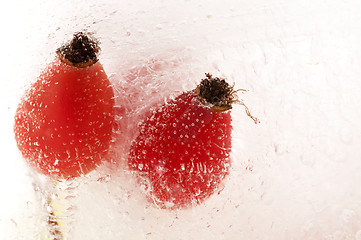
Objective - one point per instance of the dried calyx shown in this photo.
(217, 93)
(80, 52)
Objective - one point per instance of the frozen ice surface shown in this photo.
(294, 176)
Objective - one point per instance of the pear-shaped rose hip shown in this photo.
(182, 152)
(63, 124)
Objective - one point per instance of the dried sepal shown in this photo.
(82, 51)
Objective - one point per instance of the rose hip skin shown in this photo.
(182, 152)
(64, 123)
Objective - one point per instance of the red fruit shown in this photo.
(182, 153)
(63, 125)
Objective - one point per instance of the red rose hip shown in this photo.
(182, 152)
(63, 124)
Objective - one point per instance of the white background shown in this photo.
(295, 176)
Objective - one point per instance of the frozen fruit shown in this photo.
(63, 124)
(182, 152)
